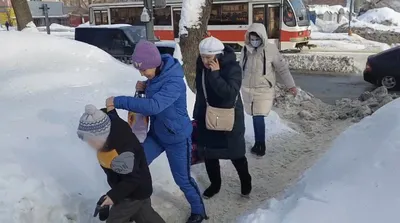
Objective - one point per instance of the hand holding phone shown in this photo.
(214, 65)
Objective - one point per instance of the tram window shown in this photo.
(100, 17)
(229, 14)
(215, 15)
(162, 17)
(258, 14)
(288, 15)
(126, 16)
(301, 12)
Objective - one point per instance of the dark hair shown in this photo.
(254, 34)
(158, 69)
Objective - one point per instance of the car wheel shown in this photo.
(389, 82)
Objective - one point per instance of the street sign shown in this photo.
(160, 4)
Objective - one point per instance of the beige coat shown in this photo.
(257, 88)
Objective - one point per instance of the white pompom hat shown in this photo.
(211, 46)
(94, 123)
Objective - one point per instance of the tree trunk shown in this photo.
(190, 45)
(22, 13)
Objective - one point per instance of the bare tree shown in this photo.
(22, 13)
(189, 44)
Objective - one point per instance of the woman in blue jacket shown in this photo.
(170, 125)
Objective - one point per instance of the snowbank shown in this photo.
(47, 174)
(320, 62)
(384, 16)
(57, 28)
(191, 15)
(356, 180)
(321, 9)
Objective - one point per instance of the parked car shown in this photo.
(383, 69)
(119, 40)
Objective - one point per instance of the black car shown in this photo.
(117, 40)
(383, 69)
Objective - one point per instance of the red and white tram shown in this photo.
(287, 21)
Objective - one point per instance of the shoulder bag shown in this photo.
(218, 119)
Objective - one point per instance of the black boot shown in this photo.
(242, 168)
(195, 218)
(259, 149)
(211, 191)
(214, 174)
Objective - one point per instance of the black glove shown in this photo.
(104, 211)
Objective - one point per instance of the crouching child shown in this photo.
(122, 158)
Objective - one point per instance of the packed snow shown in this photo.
(356, 180)
(191, 14)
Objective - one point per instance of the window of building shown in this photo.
(126, 16)
(229, 14)
(162, 17)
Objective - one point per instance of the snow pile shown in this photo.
(30, 28)
(384, 16)
(57, 28)
(191, 15)
(315, 114)
(356, 180)
(327, 26)
(321, 9)
(320, 62)
(48, 174)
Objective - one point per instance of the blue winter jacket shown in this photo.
(165, 103)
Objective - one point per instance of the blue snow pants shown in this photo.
(179, 158)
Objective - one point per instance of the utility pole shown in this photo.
(350, 16)
(46, 17)
(148, 4)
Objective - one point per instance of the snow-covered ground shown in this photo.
(48, 175)
(342, 42)
(357, 180)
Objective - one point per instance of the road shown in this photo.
(330, 88)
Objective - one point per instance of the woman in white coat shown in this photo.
(261, 62)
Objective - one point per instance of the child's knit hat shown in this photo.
(94, 123)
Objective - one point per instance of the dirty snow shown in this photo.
(355, 181)
(191, 14)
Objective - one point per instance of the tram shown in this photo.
(286, 21)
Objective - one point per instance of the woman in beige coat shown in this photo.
(261, 62)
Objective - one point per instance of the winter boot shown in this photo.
(195, 218)
(259, 149)
(242, 168)
(211, 191)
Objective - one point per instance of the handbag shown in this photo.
(218, 119)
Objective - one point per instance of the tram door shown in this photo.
(176, 17)
(269, 15)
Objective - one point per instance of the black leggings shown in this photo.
(214, 172)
